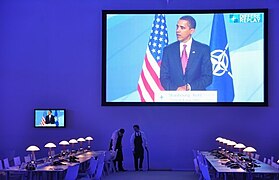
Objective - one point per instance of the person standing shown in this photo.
(116, 144)
(50, 119)
(138, 143)
(186, 63)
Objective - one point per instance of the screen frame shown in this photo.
(46, 109)
(104, 102)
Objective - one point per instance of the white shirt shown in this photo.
(114, 137)
(188, 47)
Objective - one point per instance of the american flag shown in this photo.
(43, 121)
(149, 80)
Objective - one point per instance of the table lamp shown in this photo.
(225, 142)
(64, 144)
(80, 140)
(32, 164)
(73, 142)
(219, 139)
(231, 144)
(222, 143)
(89, 138)
(239, 146)
(50, 145)
(278, 161)
(249, 150)
(33, 149)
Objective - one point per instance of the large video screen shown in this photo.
(50, 118)
(208, 57)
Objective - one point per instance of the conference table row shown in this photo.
(50, 170)
(262, 171)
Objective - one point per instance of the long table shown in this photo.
(263, 170)
(48, 171)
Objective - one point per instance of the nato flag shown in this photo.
(221, 63)
(57, 120)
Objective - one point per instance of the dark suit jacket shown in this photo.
(198, 71)
(51, 120)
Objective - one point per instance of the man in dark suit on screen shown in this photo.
(49, 118)
(186, 63)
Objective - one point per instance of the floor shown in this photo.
(152, 175)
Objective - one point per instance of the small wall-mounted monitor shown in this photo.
(50, 118)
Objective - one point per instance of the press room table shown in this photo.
(50, 171)
(216, 163)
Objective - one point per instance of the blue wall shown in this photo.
(50, 56)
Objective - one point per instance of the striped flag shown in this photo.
(43, 121)
(149, 80)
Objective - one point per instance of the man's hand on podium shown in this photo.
(186, 87)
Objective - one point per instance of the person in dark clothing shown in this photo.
(50, 119)
(116, 144)
(138, 143)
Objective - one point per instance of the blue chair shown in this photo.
(6, 163)
(203, 166)
(90, 172)
(17, 161)
(99, 171)
(72, 172)
(1, 165)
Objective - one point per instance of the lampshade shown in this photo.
(73, 141)
(218, 139)
(240, 146)
(231, 143)
(80, 139)
(250, 149)
(225, 141)
(32, 148)
(278, 161)
(88, 138)
(50, 145)
(63, 143)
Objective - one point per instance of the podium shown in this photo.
(186, 96)
(48, 125)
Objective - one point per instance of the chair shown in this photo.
(1, 165)
(2, 174)
(6, 163)
(17, 161)
(90, 172)
(114, 154)
(273, 164)
(257, 156)
(101, 157)
(27, 159)
(264, 160)
(72, 172)
(203, 167)
(195, 160)
(109, 158)
(271, 159)
(100, 166)
(92, 167)
(99, 171)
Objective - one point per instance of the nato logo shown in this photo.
(246, 18)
